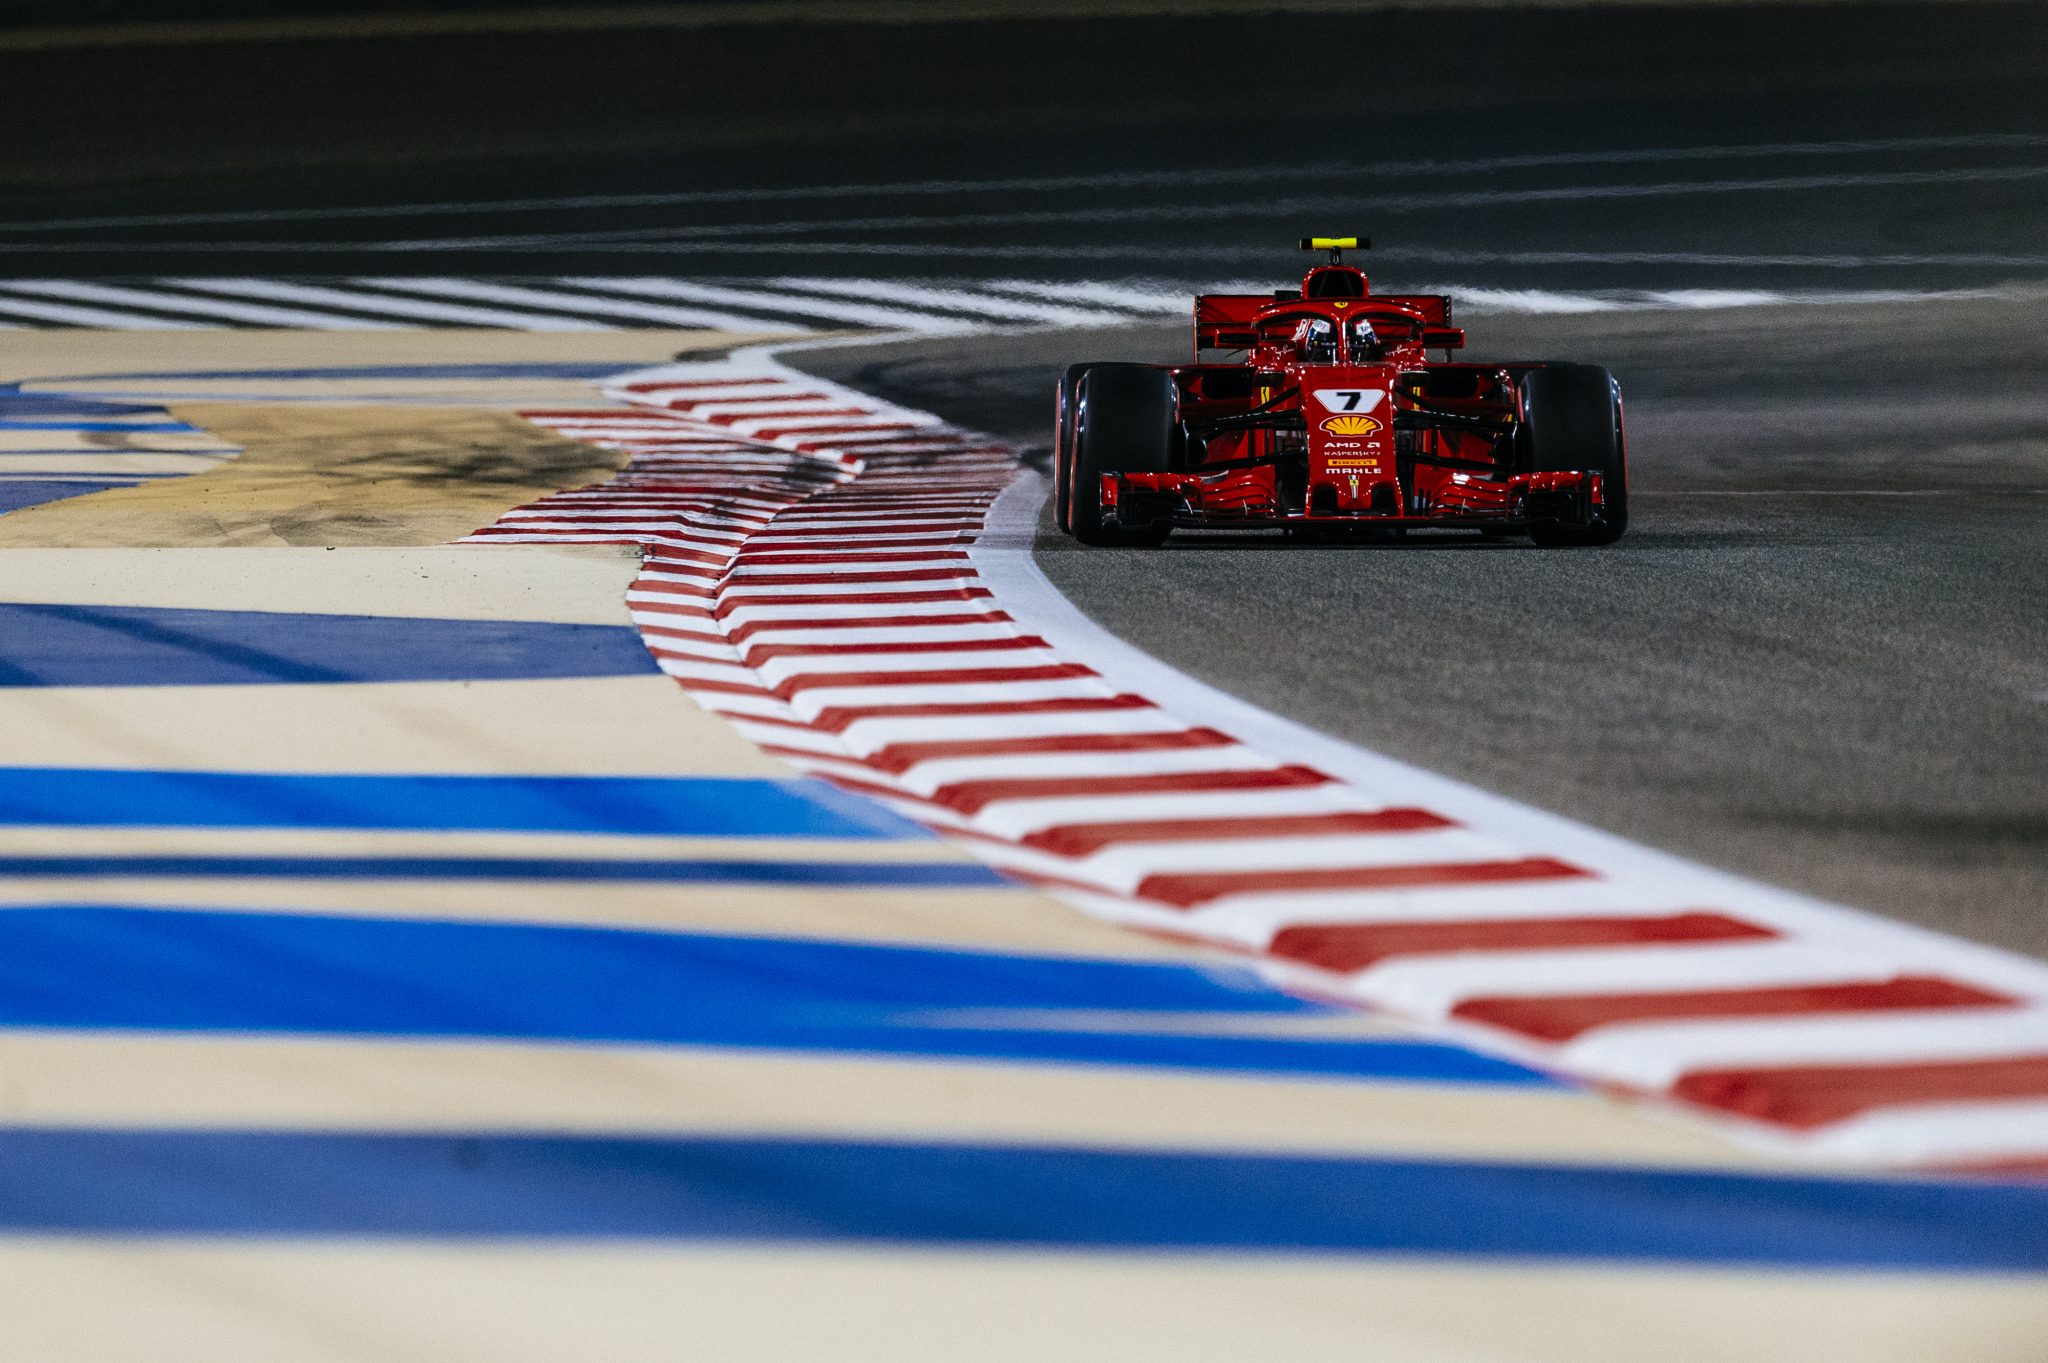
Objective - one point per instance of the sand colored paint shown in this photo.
(574, 584)
(297, 1303)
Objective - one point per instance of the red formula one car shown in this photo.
(1324, 413)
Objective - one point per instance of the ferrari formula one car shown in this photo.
(1321, 412)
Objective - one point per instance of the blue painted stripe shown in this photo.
(19, 493)
(84, 424)
(46, 645)
(768, 1191)
(583, 870)
(16, 404)
(100, 968)
(707, 806)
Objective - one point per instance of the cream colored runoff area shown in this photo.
(156, 1081)
(436, 1303)
(565, 584)
(997, 918)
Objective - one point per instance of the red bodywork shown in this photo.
(1332, 413)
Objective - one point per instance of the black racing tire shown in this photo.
(1126, 420)
(1573, 421)
(1063, 446)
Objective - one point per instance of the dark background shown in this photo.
(163, 124)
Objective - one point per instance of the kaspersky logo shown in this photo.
(1350, 425)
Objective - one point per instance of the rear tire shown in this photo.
(1063, 447)
(1574, 422)
(1125, 420)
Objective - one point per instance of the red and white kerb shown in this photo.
(807, 575)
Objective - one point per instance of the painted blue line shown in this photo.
(709, 806)
(17, 404)
(89, 425)
(771, 1191)
(586, 870)
(103, 968)
(18, 494)
(46, 645)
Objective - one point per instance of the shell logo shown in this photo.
(1350, 425)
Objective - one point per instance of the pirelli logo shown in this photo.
(1351, 463)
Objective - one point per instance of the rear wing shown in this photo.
(1225, 321)
(1437, 331)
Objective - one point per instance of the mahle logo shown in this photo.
(1350, 425)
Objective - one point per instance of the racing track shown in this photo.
(1817, 658)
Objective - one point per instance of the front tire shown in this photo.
(1125, 420)
(1572, 421)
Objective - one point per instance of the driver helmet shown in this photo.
(1315, 340)
(1365, 342)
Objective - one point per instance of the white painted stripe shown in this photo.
(73, 315)
(887, 634)
(760, 567)
(795, 401)
(763, 586)
(864, 610)
(696, 669)
(782, 304)
(1938, 1133)
(814, 701)
(1101, 293)
(1655, 1056)
(791, 428)
(1017, 818)
(956, 300)
(926, 777)
(940, 533)
(1128, 863)
(388, 305)
(574, 304)
(778, 670)
(1434, 985)
(162, 301)
(869, 735)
